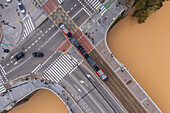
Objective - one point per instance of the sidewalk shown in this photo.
(13, 32)
(20, 89)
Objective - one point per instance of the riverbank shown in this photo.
(43, 101)
(144, 48)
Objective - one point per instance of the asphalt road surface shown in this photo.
(87, 88)
(120, 91)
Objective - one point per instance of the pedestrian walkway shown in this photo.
(60, 1)
(93, 3)
(60, 68)
(104, 8)
(1, 80)
(28, 26)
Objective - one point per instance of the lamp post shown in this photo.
(7, 23)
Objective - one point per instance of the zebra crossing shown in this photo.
(63, 65)
(1, 80)
(103, 10)
(28, 26)
(94, 4)
(60, 1)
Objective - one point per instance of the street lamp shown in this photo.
(7, 23)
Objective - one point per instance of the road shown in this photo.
(46, 39)
(55, 65)
(85, 87)
(118, 88)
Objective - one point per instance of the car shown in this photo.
(19, 56)
(37, 54)
(8, 1)
(6, 51)
(21, 7)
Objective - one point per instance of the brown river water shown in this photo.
(145, 48)
(43, 101)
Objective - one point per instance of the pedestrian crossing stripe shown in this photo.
(2, 89)
(28, 26)
(60, 1)
(63, 65)
(103, 10)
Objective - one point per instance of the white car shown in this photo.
(8, 1)
(21, 7)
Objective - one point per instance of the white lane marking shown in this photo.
(27, 27)
(86, 11)
(77, 88)
(143, 100)
(14, 55)
(90, 77)
(11, 61)
(81, 81)
(71, 9)
(36, 41)
(32, 44)
(39, 38)
(25, 17)
(46, 31)
(68, 12)
(15, 63)
(7, 64)
(3, 69)
(117, 69)
(25, 50)
(29, 47)
(32, 23)
(52, 26)
(36, 68)
(76, 13)
(18, 65)
(49, 28)
(42, 34)
(48, 40)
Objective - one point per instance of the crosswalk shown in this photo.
(103, 10)
(63, 65)
(28, 26)
(1, 80)
(93, 3)
(60, 1)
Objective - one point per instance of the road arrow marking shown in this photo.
(77, 88)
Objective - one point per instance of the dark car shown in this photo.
(19, 56)
(6, 51)
(38, 54)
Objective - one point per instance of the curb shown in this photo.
(1, 34)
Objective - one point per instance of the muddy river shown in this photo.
(44, 101)
(145, 48)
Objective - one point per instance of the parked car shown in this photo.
(19, 56)
(37, 54)
(6, 51)
(22, 8)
